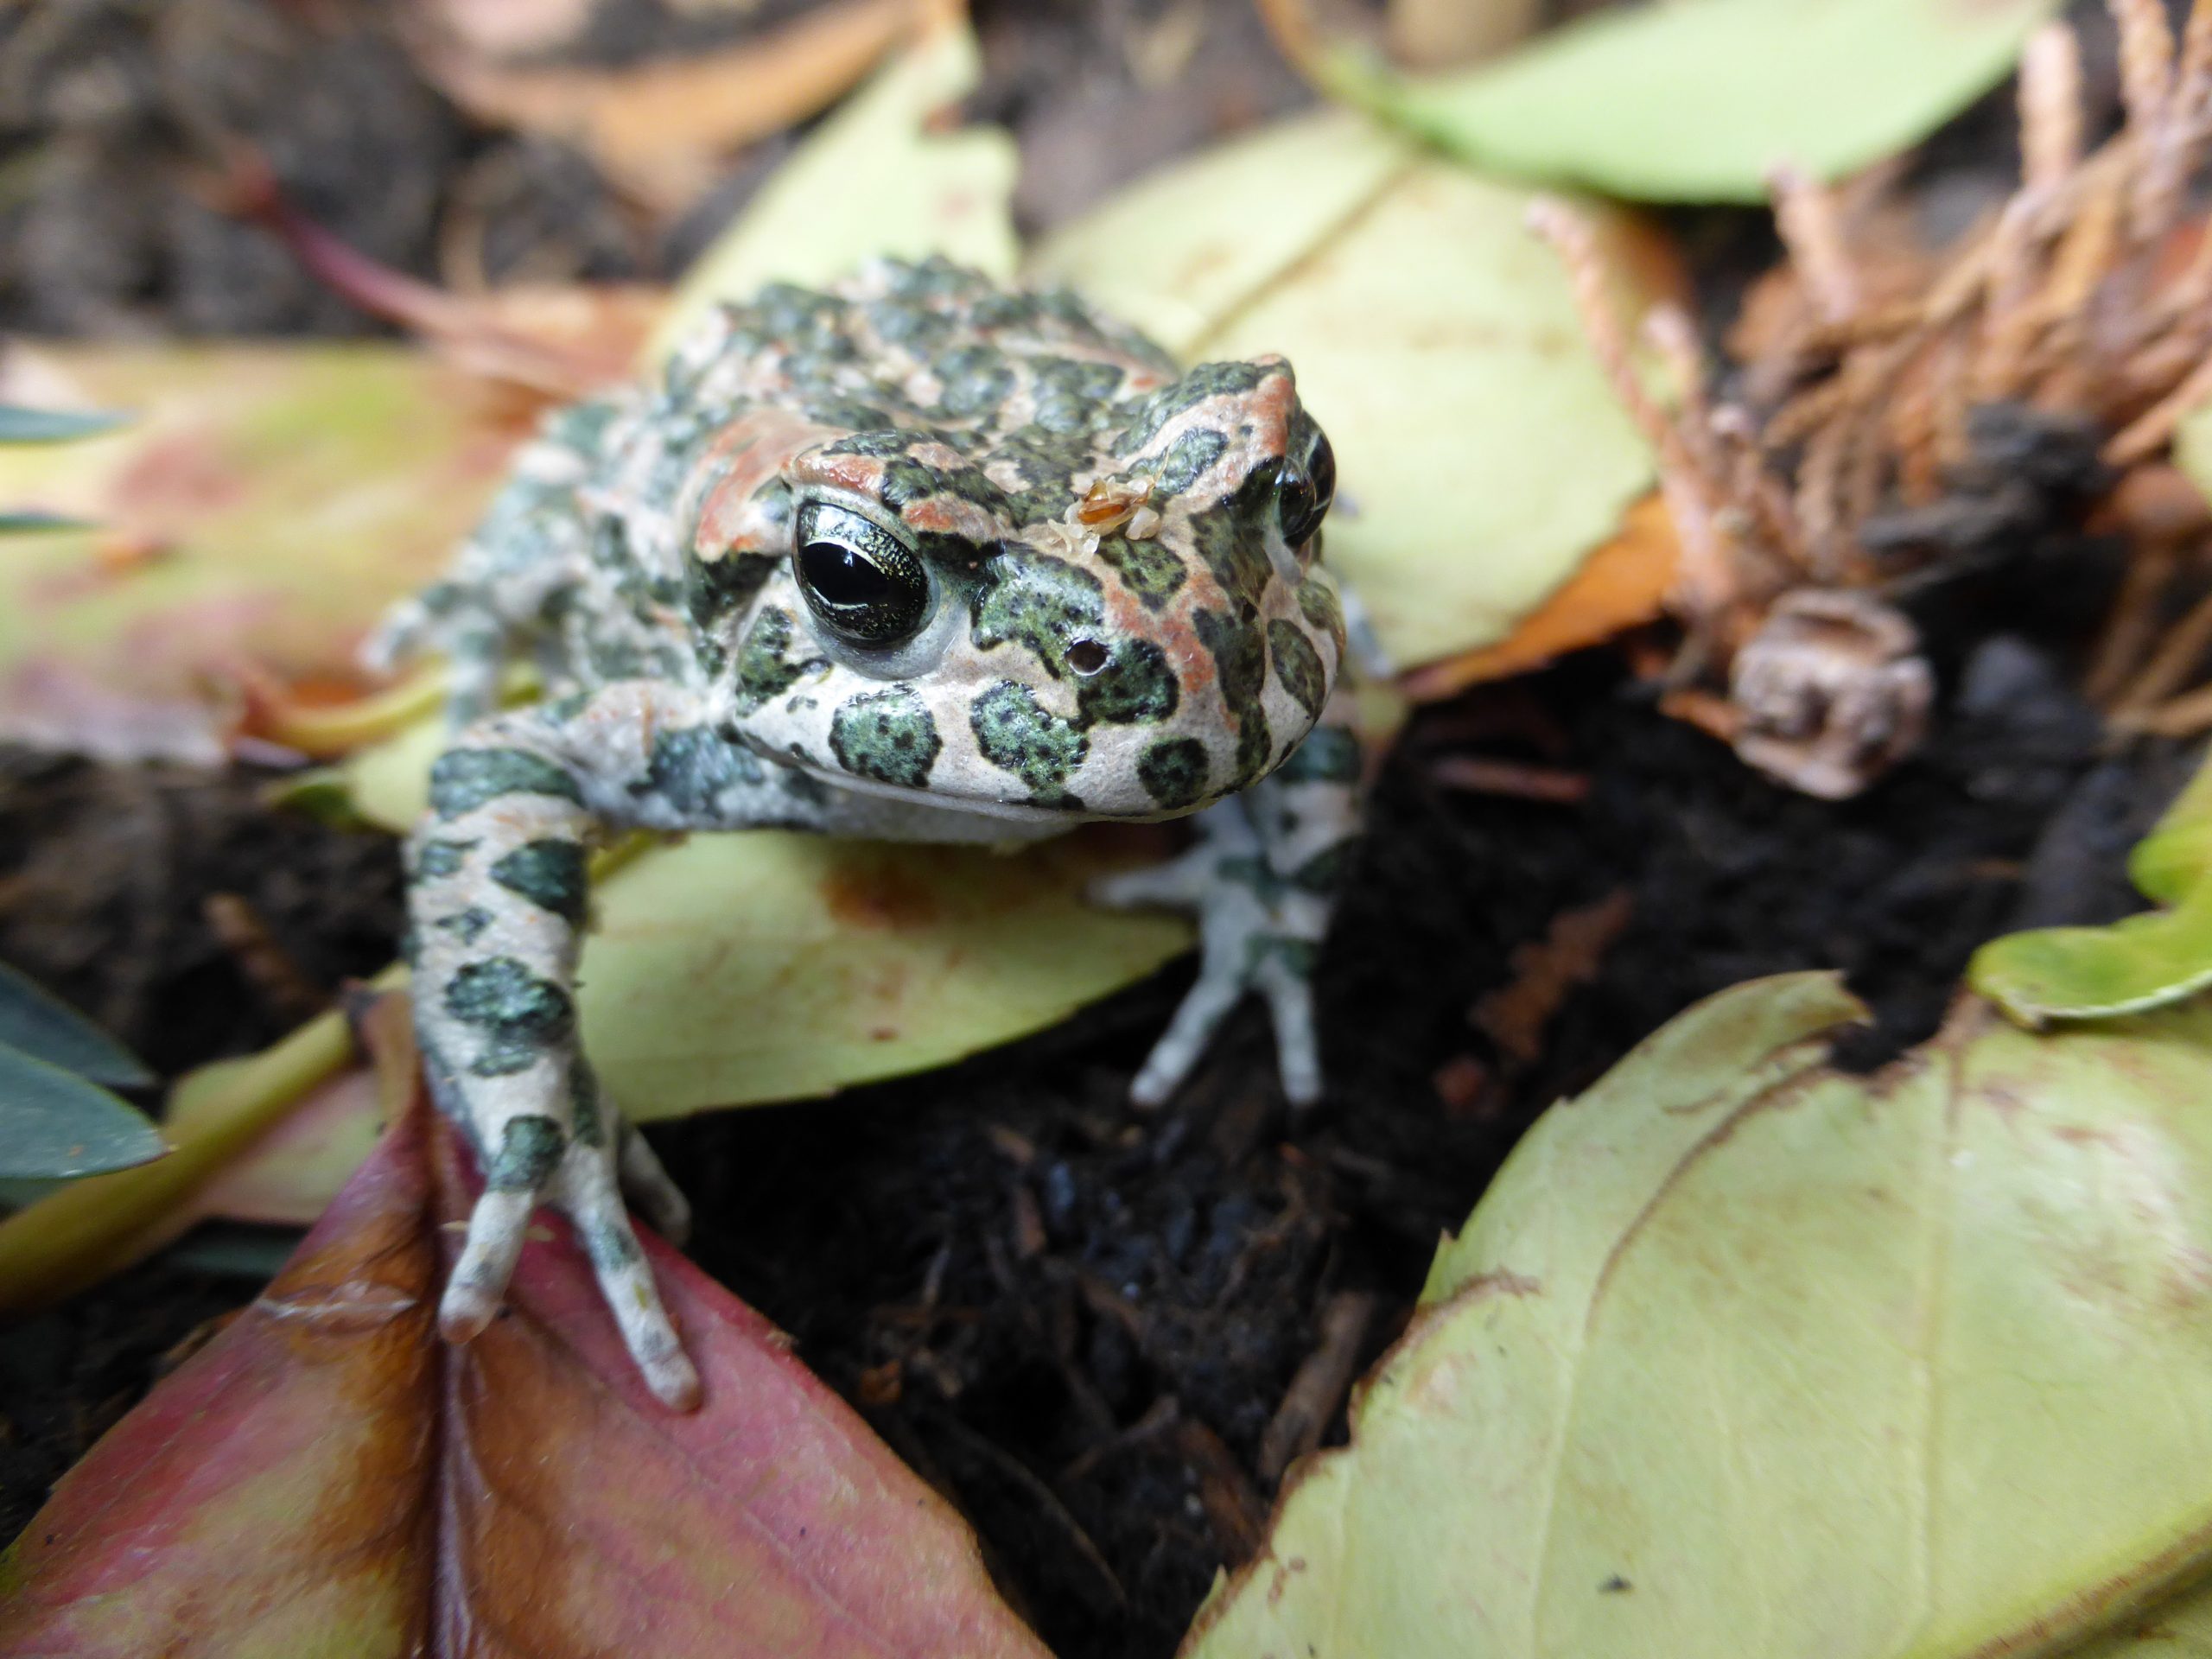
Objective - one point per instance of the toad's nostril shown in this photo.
(1086, 656)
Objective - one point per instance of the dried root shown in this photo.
(1899, 418)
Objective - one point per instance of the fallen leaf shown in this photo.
(81, 1233)
(660, 128)
(54, 1124)
(327, 1476)
(46, 1029)
(1700, 100)
(1743, 1355)
(1480, 453)
(500, 28)
(2193, 448)
(881, 176)
(279, 498)
(1622, 584)
(2136, 963)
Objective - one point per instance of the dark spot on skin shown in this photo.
(1240, 656)
(466, 925)
(1325, 872)
(1174, 771)
(583, 1086)
(1150, 571)
(530, 1147)
(886, 735)
(1187, 460)
(436, 859)
(464, 780)
(549, 874)
(1255, 745)
(1207, 380)
(1234, 548)
(610, 1247)
(1300, 957)
(716, 588)
(692, 766)
(762, 670)
(1036, 746)
(1318, 600)
(1330, 754)
(1298, 665)
(1135, 687)
(520, 1014)
(1041, 603)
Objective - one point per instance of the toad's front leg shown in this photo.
(497, 899)
(1261, 881)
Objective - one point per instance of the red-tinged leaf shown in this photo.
(326, 1478)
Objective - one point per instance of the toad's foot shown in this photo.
(1257, 931)
(584, 1179)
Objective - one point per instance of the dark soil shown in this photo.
(1078, 1321)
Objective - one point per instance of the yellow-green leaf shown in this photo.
(1699, 100)
(263, 507)
(1744, 1356)
(874, 179)
(1480, 453)
(2193, 447)
(2139, 962)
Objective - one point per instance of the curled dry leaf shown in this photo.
(1743, 1355)
(661, 129)
(1906, 419)
(326, 1476)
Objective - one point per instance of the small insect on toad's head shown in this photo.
(1129, 622)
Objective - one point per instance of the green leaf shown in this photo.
(2193, 447)
(1741, 1355)
(54, 1124)
(1699, 100)
(19, 425)
(49, 1030)
(873, 180)
(25, 523)
(2139, 962)
(1480, 453)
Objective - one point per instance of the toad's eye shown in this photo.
(861, 580)
(1303, 493)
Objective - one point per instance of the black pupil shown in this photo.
(841, 576)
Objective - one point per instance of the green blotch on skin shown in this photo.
(1187, 460)
(548, 873)
(1043, 605)
(1240, 656)
(1330, 754)
(1234, 549)
(1301, 956)
(1255, 744)
(466, 925)
(610, 1247)
(1299, 666)
(1174, 771)
(762, 670)
(886, 735)
(1135, 688)
(436, 859)
(1207, 380)
(1152, 572)
(530, 1147)
(692, 766)
(464, 780)
(1318, 600)
(1014, 733)
(1325, 872)
(521, 1015)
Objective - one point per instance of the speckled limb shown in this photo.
(1261, 881)
(497, 902)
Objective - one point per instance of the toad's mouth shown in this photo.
(1001, 809)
